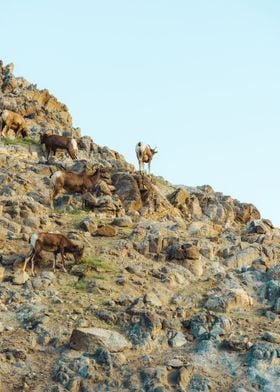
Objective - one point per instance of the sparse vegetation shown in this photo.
(96, 264)
(26, 141)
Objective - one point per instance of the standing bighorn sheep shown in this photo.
(55, 142)
(144, 155)
(73, 182)
(14, 121)
(55, 243)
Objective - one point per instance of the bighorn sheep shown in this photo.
(55, 142)
(12, 120)
(55, 243)
(73, 182)
(144, 155)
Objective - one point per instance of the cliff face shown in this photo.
(178, 288)
(41, 110)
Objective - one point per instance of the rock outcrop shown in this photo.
(178, 288)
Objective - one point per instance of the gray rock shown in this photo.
(199, 383)
(177, 339)
(20, 277)
(32, 315)
(272, 337)
(244, 258)
(88, 339)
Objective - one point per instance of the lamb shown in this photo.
(73, 182)
(14, 121)
(55, 142)
(144, 154)
(55, 243)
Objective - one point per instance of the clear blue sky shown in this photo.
(198, 79)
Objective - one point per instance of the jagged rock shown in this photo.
(20, 277)
(272, 337)
(106, 231)
(88, 224)
(237, 343)
(199, 383)
(260, 226)
(152, 299)
(32, 315)
(194, 266)
(179, 198)
(177, 339)
(144, 326)
(89, 339)
(244, 258)
(182, 252)
(154, 378)
(274, 272)
(104, 188)
(184, 376)
(86, 143)
(123, 221)
(2, 273)
(70, 372)
(230, 299)
(128, 191)
(246, 212)
(263, 351)
(175, 363)
(276, 307)
(222, 255)
(8, 224)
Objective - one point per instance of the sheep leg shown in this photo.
(27, 260)
(63, 261)
(48, 152)
(53, 195)
(32, 267)
(54, 261)
(5, 130)
(37, 250)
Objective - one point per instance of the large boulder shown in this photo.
(89, 339)
(128, 191)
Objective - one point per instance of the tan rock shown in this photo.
(184, 375)
(2, 273)
(89, 339)
(107, 231)
(20, 277)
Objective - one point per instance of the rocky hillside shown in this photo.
(178, 288)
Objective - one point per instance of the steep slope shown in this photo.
(178, 289)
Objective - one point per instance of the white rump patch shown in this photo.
(56, 175)
(140, 148)
(33, 239)
(5, 114)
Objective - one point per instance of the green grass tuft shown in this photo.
(26, 141)
(97, 263)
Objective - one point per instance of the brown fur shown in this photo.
(144, 154)
(74, 182)
(55, 142)
(55, 243)
(14, 121)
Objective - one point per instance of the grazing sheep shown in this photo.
(144, 154)
(55, 142)
(73, 182)
(14, 121)
(55, 243)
